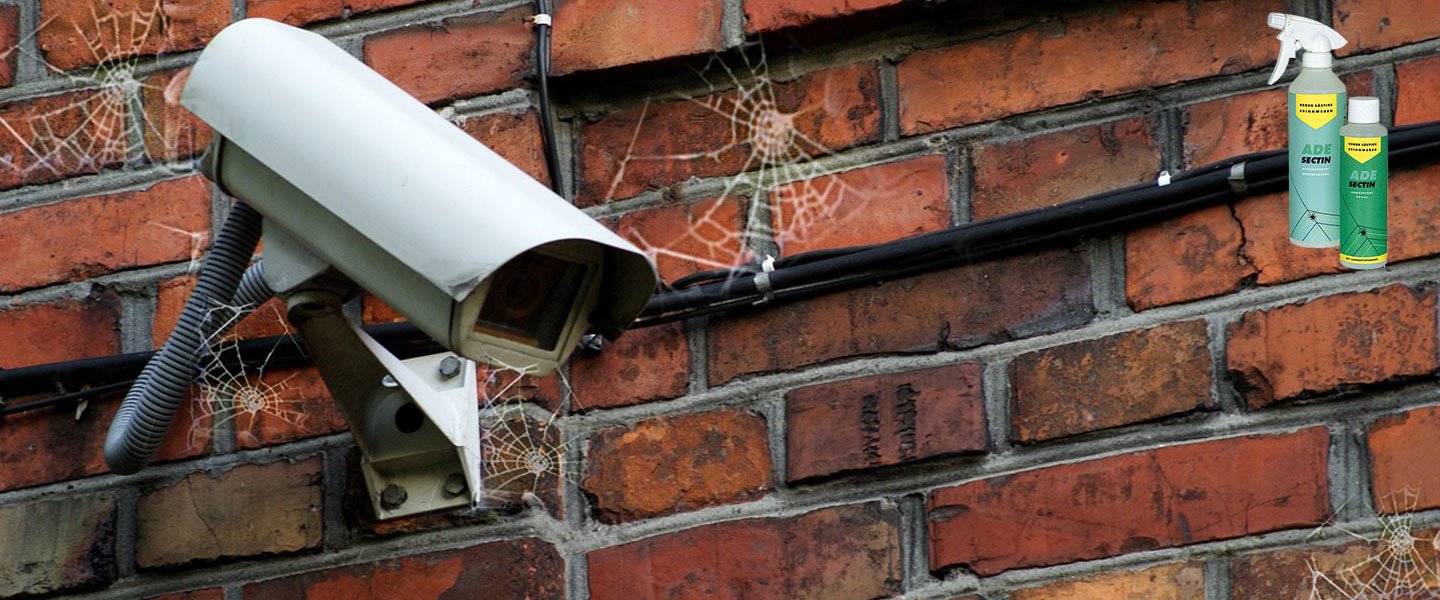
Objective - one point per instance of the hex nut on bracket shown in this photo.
(393, 497)
(450, 367)
(454, 485)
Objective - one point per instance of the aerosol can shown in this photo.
(1317, 110)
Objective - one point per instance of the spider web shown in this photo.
(525, 454)
(231, 393)
(1399, 564)
(779, 164)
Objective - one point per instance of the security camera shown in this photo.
(362, 187)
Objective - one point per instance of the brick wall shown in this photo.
(1128, 417)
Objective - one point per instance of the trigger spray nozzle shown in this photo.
(1299, 32)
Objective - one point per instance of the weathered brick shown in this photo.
(1254, 122)
(654, 146)
(9, 37)
(689, 238)
(170, 131)
(168, 221)
(834, 553)
(666, 465)
(284, 405)
(58, 136)
(869, 205)
(526, 568)
(515, 137)
(1058, 167)
(60, 544)
(1341, 340)
(770, 15)
(1158, 498)
(1414, 213)
(883, 420)
(249, 510)
(1417, 82)
(644, 365)
(36, 334)
(1100, 53)
(1189, 257)
(81, 34)
(598, 34)
(1117, 380)
(960, 307)
(303, 12)
(1376, 24)
(1266, 223)
(462, 57)
(1402, 459)
(267, 320)
(1174, 581)
(1344, 571)
(51, 444)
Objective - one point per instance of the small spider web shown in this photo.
(779, 161)
(1399, 563)
(231, 393)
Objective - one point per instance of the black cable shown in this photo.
(542, 81)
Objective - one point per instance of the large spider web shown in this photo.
(232, 392)
(1399, 563)
(779, 165)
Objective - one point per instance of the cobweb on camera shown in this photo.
(90, 127)
(1398, 564)
(232, 391)
(779, 164)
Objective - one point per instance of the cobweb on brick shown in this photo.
(1399, 563)
(524, 452)
(779, 159)
(92, 129)
(230, 391)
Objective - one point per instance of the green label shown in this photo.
(1364, 183)
(1315, 121)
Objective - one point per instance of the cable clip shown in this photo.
(1163, 180)
(762, 280)
(541, 19)
(1237, 179)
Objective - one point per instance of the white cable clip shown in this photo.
(1163, 180)
(541, 19)
(762, 280)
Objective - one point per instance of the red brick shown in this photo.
(1414, 213)
(833, 553)
(296, 406)
(1100, 53)
(208, 594)
(666, 465)
(463, 57)
(770, 15)
(267, 320)
(304, 12)
(1324, 571)
(1058, 167)
(54, 137)
(81, 34)
(515, 137)
(171, 132)
(1254, 122)
(246, 511)
(597, 34)
(1189, 257)
(689, 238)
(863, 206)
(1174, 581)
(36, 334)
(961, 307)
(1118, 380)
(526, 568)
(166, 222)
(9, 37)
(1266, 223)
(1416, 101)
(1315, 347)
(375, 311)
(58, 544)
(644, 365)
(883, 420)
(500, 385)
(654, 146)
(1158, 498)
(1402, 459)
(1376, 24)
(51, 444)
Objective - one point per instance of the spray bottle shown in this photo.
(1317, 109)
(1364, 184)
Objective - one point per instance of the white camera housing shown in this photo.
(406, 204)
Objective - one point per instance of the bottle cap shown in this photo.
(1364, 109)
(1314, 60)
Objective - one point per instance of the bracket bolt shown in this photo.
(454, 485)
(592, 342)
(450, 367)
(393, 497)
